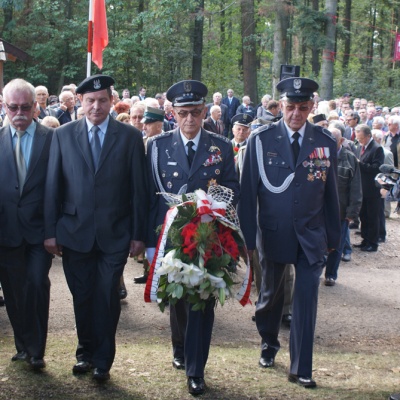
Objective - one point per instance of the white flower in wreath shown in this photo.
(216, 281)
(192, 275)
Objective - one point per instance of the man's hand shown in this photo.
(52, 247)
(384, 192)
(136, 248)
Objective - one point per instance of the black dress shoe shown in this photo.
(302, 381)
(101, 375)
(287, 319)
(266, 362)
(81, 367)
(20, 356)
(178, 363)
(353, 225)
(394, 396)
(123, 293)
(370, 248)
(195, 385)
(364, 243)
(37, 363)
(140, 279)
(2, 302)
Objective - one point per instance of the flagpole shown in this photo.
(90, 40)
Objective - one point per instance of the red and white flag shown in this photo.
(100, 32)
(396, 56)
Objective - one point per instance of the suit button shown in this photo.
(296, 202)
(16, 187)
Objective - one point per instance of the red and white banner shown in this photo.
(396, 53)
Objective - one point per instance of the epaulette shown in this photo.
(262, 129)
(218, 136)
(161, 136)
(325, 132)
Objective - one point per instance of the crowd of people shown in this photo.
(80, 174)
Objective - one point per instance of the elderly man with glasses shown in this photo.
(182, 161)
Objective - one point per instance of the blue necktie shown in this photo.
(95, 146)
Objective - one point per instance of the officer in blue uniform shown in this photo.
(290, 172)
(182, 161)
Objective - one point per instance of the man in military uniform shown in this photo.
(182, 161)
(290, 171)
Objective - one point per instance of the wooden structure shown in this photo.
(8, 52)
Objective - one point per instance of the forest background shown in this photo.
(347, 45)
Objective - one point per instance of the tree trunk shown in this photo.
(198, 41)
(282, 21)
(347, 40)
(315, 51)
(328, 59)
(249, 50)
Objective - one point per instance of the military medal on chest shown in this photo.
(318, 162)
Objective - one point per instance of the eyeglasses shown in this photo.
(23, 108)
(349, 119)
(301, 108)
(137, 116)
(194, 113)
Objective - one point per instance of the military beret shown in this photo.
(187, 93)
(95, 83)
(297, 89)
(152, 115)
(318, 118)
(242, 119)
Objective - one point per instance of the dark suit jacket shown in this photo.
(109, 205)
(64, 116)
(21, 215)
(232, 107)
(370, 162)
(224, 112)
(169, 168)
(210, 126)
(243, 110)
(307, 212)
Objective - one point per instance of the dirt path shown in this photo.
(364, 304)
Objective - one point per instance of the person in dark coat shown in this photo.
(289, 191)
(24, 262)
(371, 156)
(175, 169)
(95, 212)
(232, 103)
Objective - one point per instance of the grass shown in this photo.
(143, 370)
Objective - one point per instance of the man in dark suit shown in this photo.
(67, 111)
(290, 172)
(217, 101)
(95, 213)
(24, 262)
(352, 120)
(232, 103)
(246, 107)
(371, 157)
(213, 123)
(182, 161)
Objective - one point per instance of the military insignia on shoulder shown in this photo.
(219, 137)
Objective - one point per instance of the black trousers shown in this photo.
(93, 279)
(24, 276)
(369, 217)
(269, 310)
(191, 333)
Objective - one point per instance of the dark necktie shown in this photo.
(296, 146)
(95, 146)
(353, 134)
(191, 152)
(19, 158)
(362, 150)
